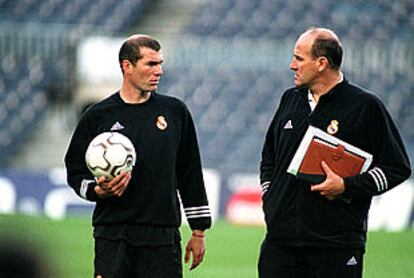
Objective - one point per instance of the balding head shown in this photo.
(322, 33)
(131, 48)
(325, 43)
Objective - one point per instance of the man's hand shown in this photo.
(114, 187)
(197, 246)
(332, 187)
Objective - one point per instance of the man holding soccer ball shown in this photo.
(137, 215)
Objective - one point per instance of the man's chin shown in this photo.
(299, 84)
(152, 88)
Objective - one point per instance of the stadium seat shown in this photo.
(29, 79)
(232, 107)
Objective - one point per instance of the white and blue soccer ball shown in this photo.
(109, 154)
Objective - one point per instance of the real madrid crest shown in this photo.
(333, 127)
(161, 123)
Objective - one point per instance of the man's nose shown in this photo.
(159, 70)
(293, 65)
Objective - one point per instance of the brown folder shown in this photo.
(341, 161)
(343, 158)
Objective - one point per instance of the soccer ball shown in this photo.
(109, 153)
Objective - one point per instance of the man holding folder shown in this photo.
(311, 230)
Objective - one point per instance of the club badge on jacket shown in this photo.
(333, 127)
(161, 123)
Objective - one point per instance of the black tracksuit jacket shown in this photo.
(168, 161)
(296, 216)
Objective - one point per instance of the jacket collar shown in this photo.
(334, 91)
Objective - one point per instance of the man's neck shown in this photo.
(326, 85)
(134, 96)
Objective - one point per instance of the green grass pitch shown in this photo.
(232, 251)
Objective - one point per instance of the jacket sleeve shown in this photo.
(268, 159)
(77, 174)
(391, 165)
(190, 178)
(267, 163)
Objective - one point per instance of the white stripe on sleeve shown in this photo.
(379, 177)
(84, 188)
(265, 186)
(197, 212)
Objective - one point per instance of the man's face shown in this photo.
(304, 66)
(147, 72)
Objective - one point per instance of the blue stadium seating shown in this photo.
(276, 19)
(30, 79)
(22, 103)
(232, 107)
(107, 15)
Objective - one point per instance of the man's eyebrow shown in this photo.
(155, 62)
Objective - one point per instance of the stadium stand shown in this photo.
(22, 102)
(107, 15)
(232, 101)
(278, 19)
(37, 67)
(233, 108)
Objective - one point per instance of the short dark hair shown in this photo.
(329, 48)
(130, 49)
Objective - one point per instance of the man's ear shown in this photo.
(322, 63)
(126, 65)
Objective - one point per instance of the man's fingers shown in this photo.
(194, 265)
(101, 179)
(118, 192)
(116, 186)
(102, 183)
(121, 185)
(197, 259)
(187, 255)
(323, 191)
(101, 192)
(195, 249)
(318, 187)
(326, 168)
